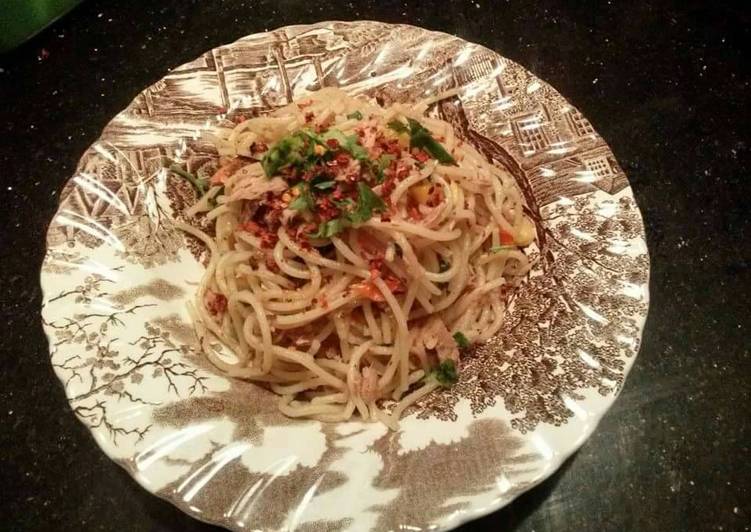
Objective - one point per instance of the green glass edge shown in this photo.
(22, 19)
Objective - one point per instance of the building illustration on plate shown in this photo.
(553, 143)
(260, 72)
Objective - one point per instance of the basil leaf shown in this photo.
(461, 340)
(357, 115)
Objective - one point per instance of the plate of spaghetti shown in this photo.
(345, 276)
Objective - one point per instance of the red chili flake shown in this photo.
(375, 266)
(402, 170)
(395, 284)
(421, 156)
(366, 289)
(216, 304)
(326, 209)
(276, 203)
(506, 238)
(251, 227)
(309, 116)
(435, 196)
(271, 262)
(342, 159)
(333, 144)
(391, 147)
(258, 147)
(385, 217)
(268, 240)
(414, 211)
(323, 301)
(338, 194)
(303, 230)
(387, 188)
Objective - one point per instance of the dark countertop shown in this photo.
(666, 83)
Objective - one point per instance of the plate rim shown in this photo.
(471, 513)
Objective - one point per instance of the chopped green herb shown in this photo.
(357, 115)
(348, 143)
(346, 205)
(212, 200)
(298, 150)
(304, 200)
(353, 213)
(367, 202)
(330, 228)
(398, 126)
(419, 137)
(324, 185)
(496, 249)
(445, 373)
(461, 340)
(313, 136)
(383, 162)
(357, 151)
(199, 184)
(288, 151)
(335, 134)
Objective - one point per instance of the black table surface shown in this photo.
(667, 85)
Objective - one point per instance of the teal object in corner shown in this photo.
(21, 19)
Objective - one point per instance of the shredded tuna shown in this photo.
(435, 336)
(225, 171)
(253, 187)
(369, 139)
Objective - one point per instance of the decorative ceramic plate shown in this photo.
(117, 276)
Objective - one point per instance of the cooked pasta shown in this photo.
(356, 251)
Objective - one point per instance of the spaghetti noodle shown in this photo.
(356, 251)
